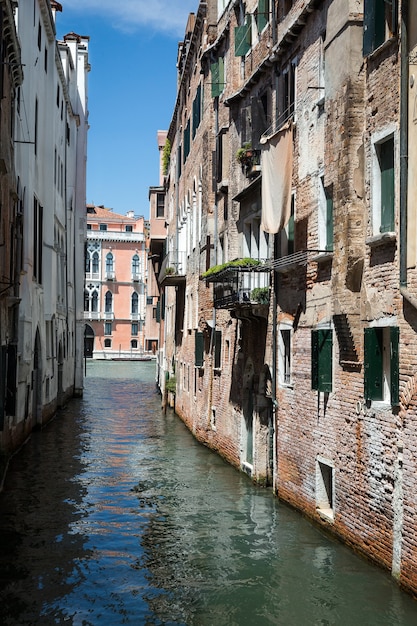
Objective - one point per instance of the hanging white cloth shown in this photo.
(277, 162)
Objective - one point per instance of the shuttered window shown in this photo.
(243, 38)
(217, 77)
(187, 141)
(386, 162)
(322, 359)
(218, 349)
(329, 222)
(263, 14)
(197, 110)
(380, 19)
(381, 371)
(199, 349)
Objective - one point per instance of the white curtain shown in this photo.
(276, 162)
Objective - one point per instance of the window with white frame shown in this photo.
(135, 265)
(108, 302)
(325, 217)
(383, 184)
(284, 354)
(381, 364)
(134, 303)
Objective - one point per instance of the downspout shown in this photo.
(404, 78)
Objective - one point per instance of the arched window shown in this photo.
(87, 263)
(134, 343)
(135, 264)
(109, 262)
(107, 343)
(95, 263)
(108, 302)
(94, 301)
(135, 303)
(86, 300)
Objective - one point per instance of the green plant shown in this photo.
(245, 262)
(166, 157)
(242, 154)
(171, 384)
(169, 270)
(260, 294)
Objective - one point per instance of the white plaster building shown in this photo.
(50, 138)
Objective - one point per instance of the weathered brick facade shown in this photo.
(310, 388)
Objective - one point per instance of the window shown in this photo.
(243, 37)
(262, 16)
(108, 302)
(129, 228)
(160, 205)
(381, 367)
(109, 265)
(288, 233)
(325, 488)
(187, 136)
(149, 300)
(217, 77)
(197, 110)
(103, 226)
(322, 359)
(107, 328)
(383, 196)
(134, 329)
(134, 303)
(325, 217)
(218, 349)
(199, 349)
(287, 90)
(37, 241)
(380, 20)
(96, 265)
(86, 300)
(107, 343)
(284, 355)
(135, 265)
(134, 343)
(94, 301)
(89, 227)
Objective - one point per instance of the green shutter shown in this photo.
(158, 311)
(368, 26)
(263, 14)
(243, 38)
(373, 373)
(187, 141)
(314, 359)
(218, 349)
(217, 77)
(329, 223)
(386, 159)
(394, 364)
(199, 349)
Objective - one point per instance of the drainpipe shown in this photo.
(404, 154)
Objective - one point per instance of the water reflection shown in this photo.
(115, 515)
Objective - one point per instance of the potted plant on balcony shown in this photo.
(260, 295)
(169, 271)
(244, 154)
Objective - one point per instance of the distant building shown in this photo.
(114, 294)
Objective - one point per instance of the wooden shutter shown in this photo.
(263, 14)
(187, 141)
(373, 374)
(259, 122)
(158, 311)
(386, 156)
(243, 39)
(329, 222)
(218, 349)
(368, 26)
(314, 360)
(199, 349)
(217, 77)
(394, 365)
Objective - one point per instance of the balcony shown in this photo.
(250, 161)
(92, 315)
(108, 315)
(299, 259)
(241, 286)
(173, 269)
(136, 278)
(110, 275)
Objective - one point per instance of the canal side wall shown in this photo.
(317, 395)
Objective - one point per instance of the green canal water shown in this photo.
(114, 514)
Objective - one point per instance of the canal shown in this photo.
(114, 514)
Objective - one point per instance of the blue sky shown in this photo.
(132, 90)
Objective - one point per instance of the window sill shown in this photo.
(323, 257)
(289, 386)
(326, 514)
(381, 239)
(386, 44)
